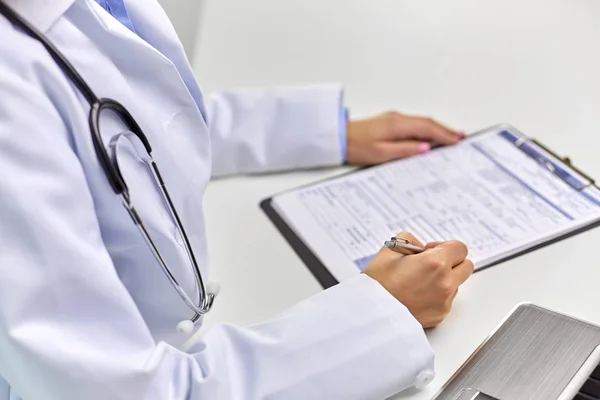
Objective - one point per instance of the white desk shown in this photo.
(469, 63)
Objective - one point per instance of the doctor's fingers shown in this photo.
(392, 150)
(462, 272)
(431, 245)
(428, 129)
(446, 255)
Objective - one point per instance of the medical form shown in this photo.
(496, 191)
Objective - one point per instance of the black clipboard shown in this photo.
(326, 278)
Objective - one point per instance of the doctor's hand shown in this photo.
(392, 135)
(425, 283)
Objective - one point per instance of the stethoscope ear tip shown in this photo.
(186, 327)
(213, 288)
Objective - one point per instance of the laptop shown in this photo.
(534, 354)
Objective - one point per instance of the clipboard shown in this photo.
(326, 279)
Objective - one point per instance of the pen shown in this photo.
(403, 246)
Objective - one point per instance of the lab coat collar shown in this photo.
(40, 13)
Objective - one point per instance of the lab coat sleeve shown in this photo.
(69, 329)
(275, 129)
(352, 341)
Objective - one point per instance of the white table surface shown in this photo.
(470, 63)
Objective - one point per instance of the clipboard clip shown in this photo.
(575, 182)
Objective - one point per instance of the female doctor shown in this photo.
(103, 267)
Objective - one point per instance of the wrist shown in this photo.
(358, 150)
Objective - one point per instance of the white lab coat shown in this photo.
(85, 311)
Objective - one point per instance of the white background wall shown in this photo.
(471, 63)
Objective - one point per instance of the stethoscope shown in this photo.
(111, 169)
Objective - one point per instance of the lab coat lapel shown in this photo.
(153, 25)
(136, 59)
(172, 121)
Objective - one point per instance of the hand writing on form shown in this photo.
(425, 283)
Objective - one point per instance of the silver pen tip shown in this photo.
(387, 243)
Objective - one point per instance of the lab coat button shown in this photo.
(424, 378)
